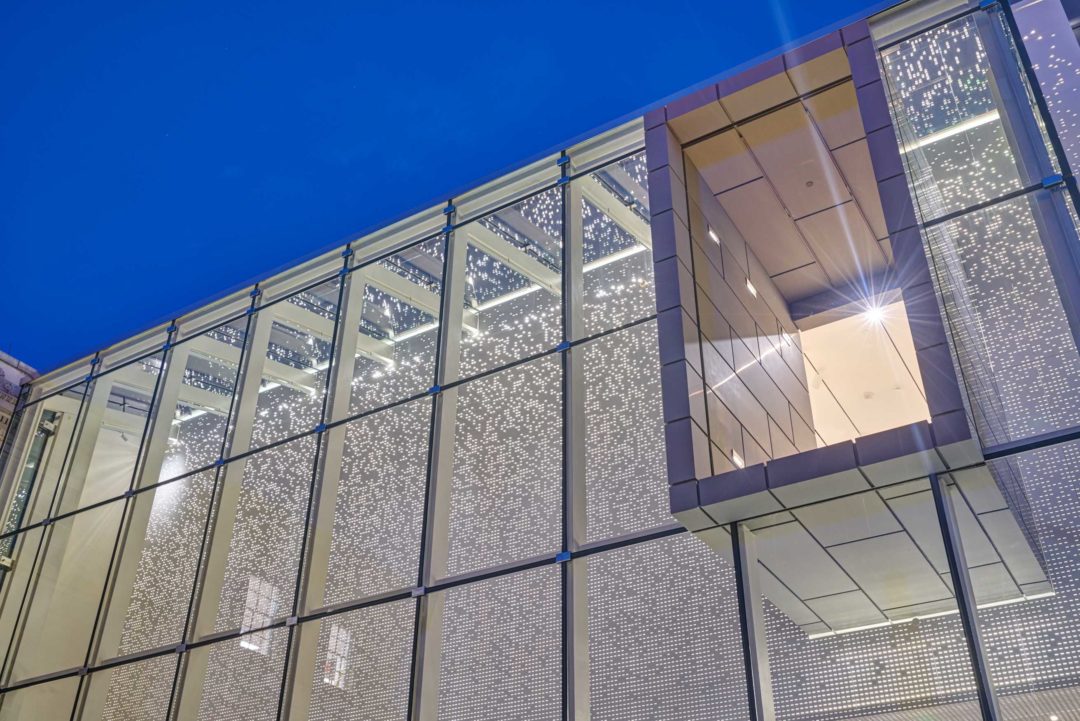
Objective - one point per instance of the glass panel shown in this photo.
(297, 360)
(53, 421)
(13, 588)
(617, 253)
(209, 365)
(859, 612)
(238, 679)
(1015, 348)
(153, 581)
(69, 577)
(251, 580)
(361, 667)
(137, 691)
(505, 500)
(397, 307)
(513, 283)
(664, 636)
(952, 137)
(53, 700)
(625, 460)
(1055, 58)
(114, 421)
(378, 503)
(1019, 519)
(501, 649)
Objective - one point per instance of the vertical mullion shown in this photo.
(221, 515)
(35, 570)
(965, 597)
(321, 495)
(1053, 222)
(574, 591)
(427, 641)
(133, 522)
(759, 693)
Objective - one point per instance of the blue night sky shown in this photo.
(155, 154)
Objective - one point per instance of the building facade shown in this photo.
(762, 405)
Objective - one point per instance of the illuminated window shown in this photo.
(337, 657)
(259, 608)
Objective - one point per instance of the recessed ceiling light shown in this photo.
(737, 459)
(714, 236)
(750, 287)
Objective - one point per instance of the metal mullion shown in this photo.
(35, 570)
(124, 526)
(759, 690)
(965, 598)
(213, 507)
(314, 487)
(573, 586)
(427, 624)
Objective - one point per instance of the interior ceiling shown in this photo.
(873, 390)
(788, 160)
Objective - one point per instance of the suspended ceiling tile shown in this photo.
(802, 282)
(916, 512)
(701, 121)
(766, 226)
(800, 562)
(1003, 530)
(762, 95)
(723, 161)
(820, 71)
(843, 244)
(943, 605)
(795, 159)
(854, 162)
(980, 489)
(781, 597)
(846, 610)
(848, 519)
(836, 114)
(891, 571)
(904, 489)
(993, 583)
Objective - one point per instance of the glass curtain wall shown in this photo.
(425, 478)
(996, 207)
(353, 498)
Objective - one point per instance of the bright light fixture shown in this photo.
(750, 287)
(737, 459)
(875, 314)
(714, 236)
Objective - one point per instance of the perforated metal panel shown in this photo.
(664, 634)
(505, 501)
(501, 649)
(625, 461)
(363, 663)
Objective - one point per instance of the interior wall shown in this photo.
(757, 401)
